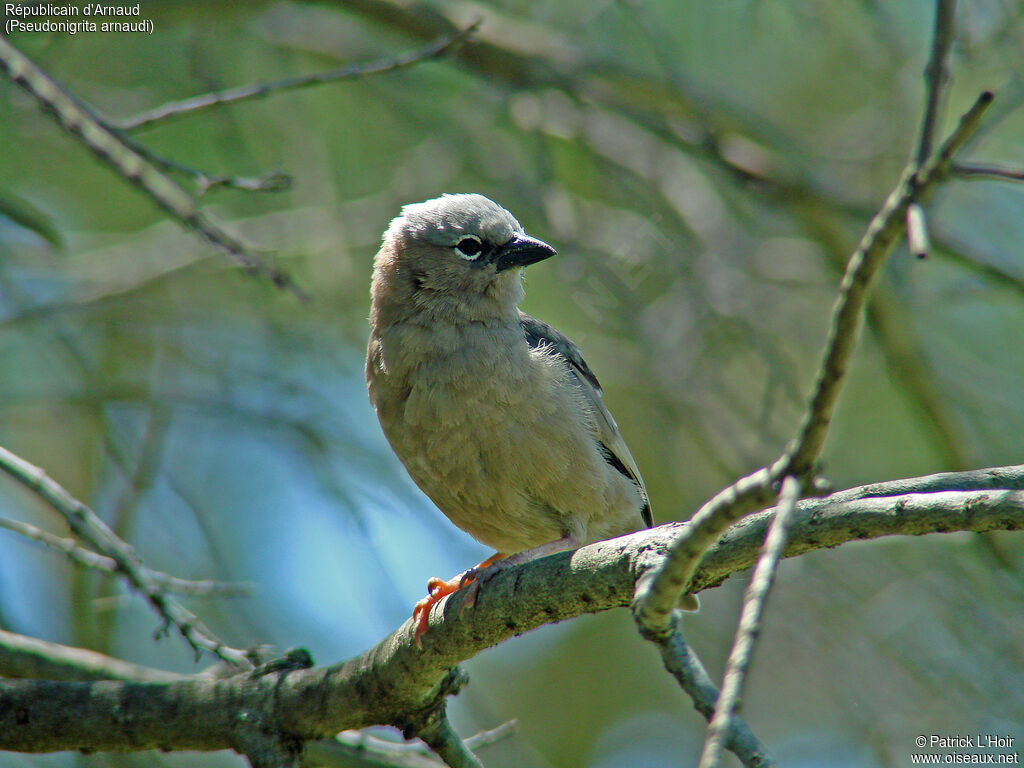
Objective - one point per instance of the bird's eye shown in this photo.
(469, 247)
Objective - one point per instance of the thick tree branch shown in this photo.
(394, 680)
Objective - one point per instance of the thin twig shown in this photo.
(347, 750)
(271, 181)
(93, 531)
(936, 77)
(685, 666)
(81, 120)
(89, 559)
(385, 748)
(492, 736)
(30, 657)
(738, 663)
(260, 90)
(659, 590)
(980, 171)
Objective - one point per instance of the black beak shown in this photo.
(521, 251)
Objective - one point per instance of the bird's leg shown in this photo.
(497, 564)
(438, 589)
(475, 577)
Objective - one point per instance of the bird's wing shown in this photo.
(538, 333)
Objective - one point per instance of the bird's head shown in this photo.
(456, 251)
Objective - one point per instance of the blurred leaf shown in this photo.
(23, 213)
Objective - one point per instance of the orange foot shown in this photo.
(438, 589)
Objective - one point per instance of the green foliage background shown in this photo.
(703, 168)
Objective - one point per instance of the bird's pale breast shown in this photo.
(479, 420)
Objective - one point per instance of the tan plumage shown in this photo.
(495, 414)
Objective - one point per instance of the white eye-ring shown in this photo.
(469, 247)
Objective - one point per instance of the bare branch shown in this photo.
(980, 171)
(90, 559)
(492, 735)
(659, 592)
(394, 678)
(401, 751)
(750, 625)
(684, 665)
(29, 657)
(356, 749)
(936, 77)
(76, 553)
(445, 742)
(361, 749)
(428, 720)
(261, 90)
(272, 181)
(91, 529)
(82, 121)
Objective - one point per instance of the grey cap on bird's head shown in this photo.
(486, 232)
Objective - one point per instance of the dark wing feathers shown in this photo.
(612, 446)
(538, 332)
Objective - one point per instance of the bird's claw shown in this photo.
(437, 590)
